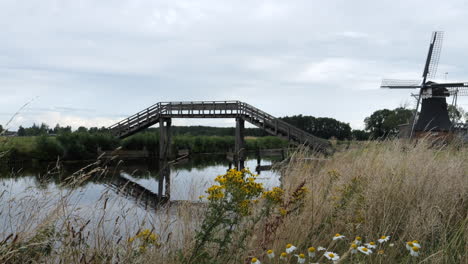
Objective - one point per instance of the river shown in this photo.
(32, 195)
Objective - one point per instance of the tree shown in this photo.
(360, 135)
(82, 129)
(1, 128)
(385, 122)
(61, 130)
(21, 131)
(323, 127)
(456, 114)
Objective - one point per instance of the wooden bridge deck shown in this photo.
(217, 109)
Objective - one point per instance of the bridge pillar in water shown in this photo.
(239, 148)
(164, 155)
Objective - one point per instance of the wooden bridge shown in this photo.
(163, 112)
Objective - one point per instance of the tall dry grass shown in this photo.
(409, 192)
(405, 190)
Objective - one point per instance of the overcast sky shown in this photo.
(91, 63)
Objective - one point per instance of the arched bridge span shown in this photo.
(163, 112)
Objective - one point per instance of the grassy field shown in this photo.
(404, 191)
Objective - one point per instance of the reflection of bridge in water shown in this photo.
(143, 197)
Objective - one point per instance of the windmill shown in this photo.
(432, 95)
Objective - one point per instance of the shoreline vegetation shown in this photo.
(77, 146)
(386, 201)
(44, 143)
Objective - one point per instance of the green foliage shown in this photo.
(211, 131)
(140, 141)
(35, 130)
(456, 114)
(230, 204)
(79, 145)
(48, 148)
(265, 143)
(323, 127)
(360, 135)
(384, 123)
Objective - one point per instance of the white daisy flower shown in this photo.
(255, 261)
(414, 251)
(311, 252)
(354, 248)
(409, 245)
(270, 254)
(416, 243)
(383, 239)
(358, 240)
(300, 258)
(321, 249)
(290, 248)
(338, 236)
(332, 256)
(284, 256)
(364, 250)
(391, 245)
(371, 245)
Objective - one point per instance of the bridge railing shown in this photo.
(201, 108)
(136, 118)
(276, 126)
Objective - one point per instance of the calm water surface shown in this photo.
(131, 194)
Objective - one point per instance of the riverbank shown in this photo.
(86, 146)
(404, 192)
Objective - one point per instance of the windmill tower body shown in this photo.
(434, 114)
(432, 97)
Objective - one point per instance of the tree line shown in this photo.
(83, 143)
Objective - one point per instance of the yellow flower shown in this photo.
(283, 211)
(275, 195)
(311, 252)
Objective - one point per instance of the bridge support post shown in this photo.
(164, 155)
(239, 150)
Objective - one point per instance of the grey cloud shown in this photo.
(109, 59)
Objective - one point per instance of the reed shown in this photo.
(408, 191)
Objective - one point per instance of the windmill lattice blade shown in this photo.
(434, 63)
(460, 91)
(400, 84)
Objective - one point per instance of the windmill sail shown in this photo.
(400, 84)
(433, 55)
(460, 89)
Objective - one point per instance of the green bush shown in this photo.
(48, 148)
